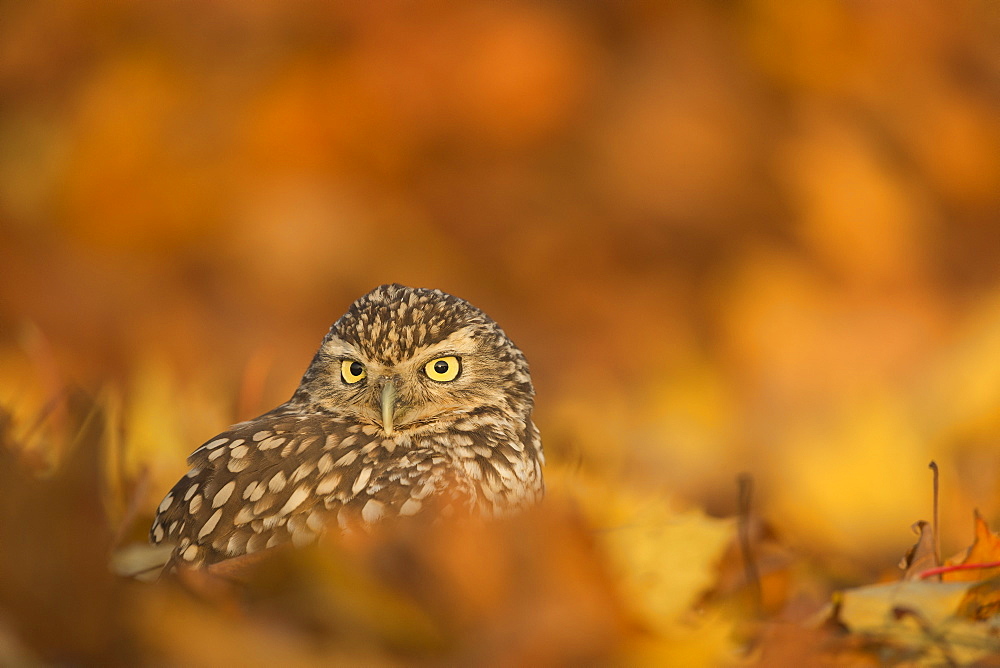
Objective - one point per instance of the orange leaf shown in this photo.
(985, 549)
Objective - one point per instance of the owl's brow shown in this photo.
(338, 348)
(463, 341)
(452, 344)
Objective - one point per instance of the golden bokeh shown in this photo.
(757, 237)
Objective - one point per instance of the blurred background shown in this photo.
(730, 237)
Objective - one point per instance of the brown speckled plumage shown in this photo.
(342, 453)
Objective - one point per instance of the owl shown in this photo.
(415, 399)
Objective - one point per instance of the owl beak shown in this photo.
(388, 404)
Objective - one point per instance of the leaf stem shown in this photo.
(930, 572)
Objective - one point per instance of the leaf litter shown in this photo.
(599, 573)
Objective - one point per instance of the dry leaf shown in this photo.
(916, 619)
(923, 554)
(985, 549)
(982, 601)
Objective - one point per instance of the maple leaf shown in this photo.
(984, 550)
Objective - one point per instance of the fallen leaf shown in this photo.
(917, 618)
(923, 555)
(981, 601)
(871, 609)
(985, 549)
(665, 561)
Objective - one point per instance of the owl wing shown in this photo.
(278, 478)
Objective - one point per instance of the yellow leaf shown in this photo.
(666, 561)
(918, 617)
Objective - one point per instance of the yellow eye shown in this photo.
(352, 371)
(443, 369)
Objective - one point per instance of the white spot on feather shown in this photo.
(363, 478)
(255, 544)
(473, 468)
(237, 465)
(272, 442)
(316, 521)
(277, 482)
(304, 469)
(209, 526)
(223, 494)
(306, 442)
(168, 501)
(373, 511)
(347, 459)
(295, 500)
(244, 516)
(410, 507)
(328, 484)
(236, 544)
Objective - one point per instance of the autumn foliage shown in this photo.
(755, 238)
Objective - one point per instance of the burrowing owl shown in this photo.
(414, 394)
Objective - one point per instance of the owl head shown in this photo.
(406, 360)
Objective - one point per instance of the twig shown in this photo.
(752, 575)
(937, 534)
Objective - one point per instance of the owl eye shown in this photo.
(443, 369)
(352, 371)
